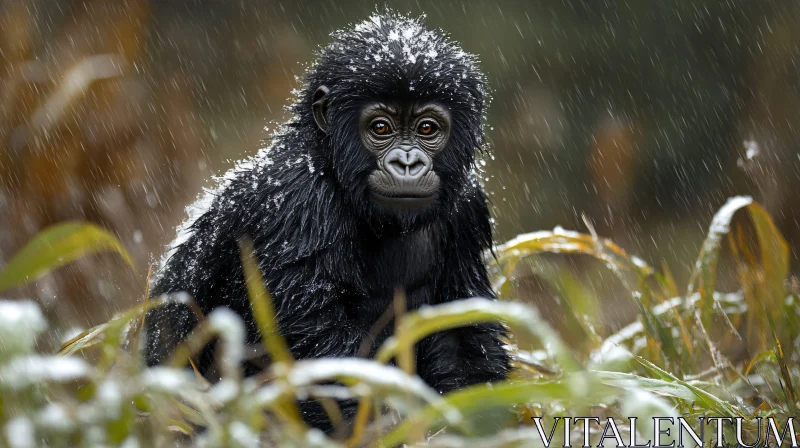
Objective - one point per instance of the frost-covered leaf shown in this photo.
(27, 371)
(20, 323)
(523, 320)
(705, 399)
(646, 407)
(773, 260)
(379, 378)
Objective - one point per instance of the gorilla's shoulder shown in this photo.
(286, 202)
(472, 202)
(471, 220)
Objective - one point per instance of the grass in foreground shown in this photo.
(693, 353)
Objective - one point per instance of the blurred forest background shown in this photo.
(644, 116)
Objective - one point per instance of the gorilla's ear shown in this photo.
(319, 107)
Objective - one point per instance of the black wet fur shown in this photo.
(330, 257)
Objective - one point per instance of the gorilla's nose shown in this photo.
(407, 164)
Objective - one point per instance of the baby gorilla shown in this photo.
(367, 189)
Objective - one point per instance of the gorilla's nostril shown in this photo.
(397, 167)
(415, 168)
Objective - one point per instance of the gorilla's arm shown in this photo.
(315, 323)
(206, 266)
(464, 356)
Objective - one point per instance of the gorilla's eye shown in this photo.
(381, 128)
(427, 128)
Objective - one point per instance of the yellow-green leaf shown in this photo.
(55, 247)
(774, 253)
(571, 242)
(263, 311)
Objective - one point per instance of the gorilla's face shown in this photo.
(404, 139)
(397, 159)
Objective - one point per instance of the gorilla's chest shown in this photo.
(403, 261)
(409, 262)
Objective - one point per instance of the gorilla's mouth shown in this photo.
(404, 193)
(405, 202)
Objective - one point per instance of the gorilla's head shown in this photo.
(397, 114)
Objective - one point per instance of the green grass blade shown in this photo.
(788, 386)
(577, 389)
(85, 339)
(523, 321)
(263, 311)
(264, 314)
(704, 399)
(659, 386)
